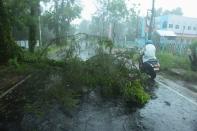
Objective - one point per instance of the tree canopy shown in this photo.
(115, 19)
(8, 48)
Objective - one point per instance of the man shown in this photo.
(147, 54)
(148, 51)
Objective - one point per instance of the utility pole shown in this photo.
(137, 26)
(151, 20)
(40, 31)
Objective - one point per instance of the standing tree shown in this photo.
(33, 23)
(8, 48)
(114, 19)
(60, 17)
(19, 15)
(24, 20)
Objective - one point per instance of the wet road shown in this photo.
(174, 109)
(98, 115)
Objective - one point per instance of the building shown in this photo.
(164, 36)
(25, 43)
(173, 28)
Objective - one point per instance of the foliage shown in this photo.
(134, 92)
(30, 57)
(60, 17)
(193, 57)
(169, 61)
(14, 62)
(114, 19)
(112, 75)
(24, 16)
(105, 70)
(8, 48)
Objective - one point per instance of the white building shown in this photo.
(185, 28)
(25, 44)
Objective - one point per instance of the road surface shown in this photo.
(174, 109)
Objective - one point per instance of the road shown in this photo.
(173, 109)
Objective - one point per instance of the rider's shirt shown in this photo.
(149, 52)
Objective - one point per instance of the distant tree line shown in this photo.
(114, 19)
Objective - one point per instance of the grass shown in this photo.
(170, 61)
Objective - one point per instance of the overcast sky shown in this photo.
(189, 7)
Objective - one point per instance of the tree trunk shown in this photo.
(33, 27)
(113, 32)
(57, 29)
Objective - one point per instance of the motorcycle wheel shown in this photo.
(153, 75)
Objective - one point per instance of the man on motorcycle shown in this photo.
(149, 51)
(148, 59)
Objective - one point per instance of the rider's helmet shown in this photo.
(149, 42)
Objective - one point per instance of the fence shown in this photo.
(174, 48)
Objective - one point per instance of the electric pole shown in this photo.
(151, 21)
(40, 31)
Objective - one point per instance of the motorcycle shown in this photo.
(151, 67)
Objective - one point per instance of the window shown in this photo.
(189, 27)
(183, 27)
(194, 28)
(170, 25)
(177, 27)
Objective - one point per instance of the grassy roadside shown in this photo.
(178, 66)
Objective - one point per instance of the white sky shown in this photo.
(189, 7)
